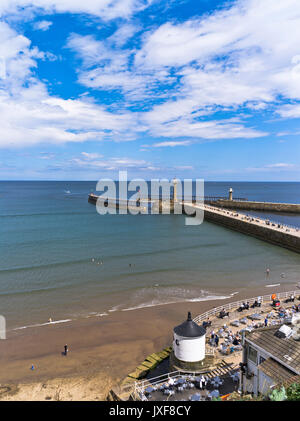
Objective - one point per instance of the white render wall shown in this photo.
(189, 349)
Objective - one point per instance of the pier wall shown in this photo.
(265, 233)
(255, 228)
(260, 206)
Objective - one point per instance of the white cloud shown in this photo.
(280, 166)
(42, 25)
(289, 111)
(123, 34)
(47, 155)
(250, 29)
(246, 54)
(17, 56)
(212, 129)
(91, 155)
(105, 9)
(108, 163)
(171, 143)
(107, 67)
(29, 115)
(184, 167)
(27, 120)
(94, 162)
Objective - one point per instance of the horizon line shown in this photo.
(193, 179)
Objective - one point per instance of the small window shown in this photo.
(252, 354)
(261, 360)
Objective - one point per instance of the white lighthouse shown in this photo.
(189, 344)
(175, 182)
(230, 193)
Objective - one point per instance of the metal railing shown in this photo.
(132, 387)
(209, 350)
(139, 387)
(237, 304)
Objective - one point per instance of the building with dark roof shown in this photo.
(270, 357)
(189, 329)
(188, 345)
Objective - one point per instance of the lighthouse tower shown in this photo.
(188, 345)
(175, 182)
(230, 193)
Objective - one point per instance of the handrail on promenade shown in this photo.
(237, 304)
(139, 386)
(163, 378)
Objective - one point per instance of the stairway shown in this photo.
(223, 368)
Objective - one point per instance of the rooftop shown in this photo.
(189, 329)
(276, 371)
(285, 350)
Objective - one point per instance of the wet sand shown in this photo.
(102, 350)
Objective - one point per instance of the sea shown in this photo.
(62, 260)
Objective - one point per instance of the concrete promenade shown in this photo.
(258, 206)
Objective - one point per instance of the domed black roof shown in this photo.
(189, 329)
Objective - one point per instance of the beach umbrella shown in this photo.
(215, 394)
(196, 397)
(256, 316)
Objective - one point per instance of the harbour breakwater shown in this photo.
(262, 229)
(258, 206)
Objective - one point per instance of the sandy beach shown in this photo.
(102, 350)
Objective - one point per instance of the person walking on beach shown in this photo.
(266, 322)
(216, 340)
(66, 349)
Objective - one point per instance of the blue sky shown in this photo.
(196, 89)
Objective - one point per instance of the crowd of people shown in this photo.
(226, 341)
(230, 340)
(248, 218)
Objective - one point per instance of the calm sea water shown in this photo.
(60, 259)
